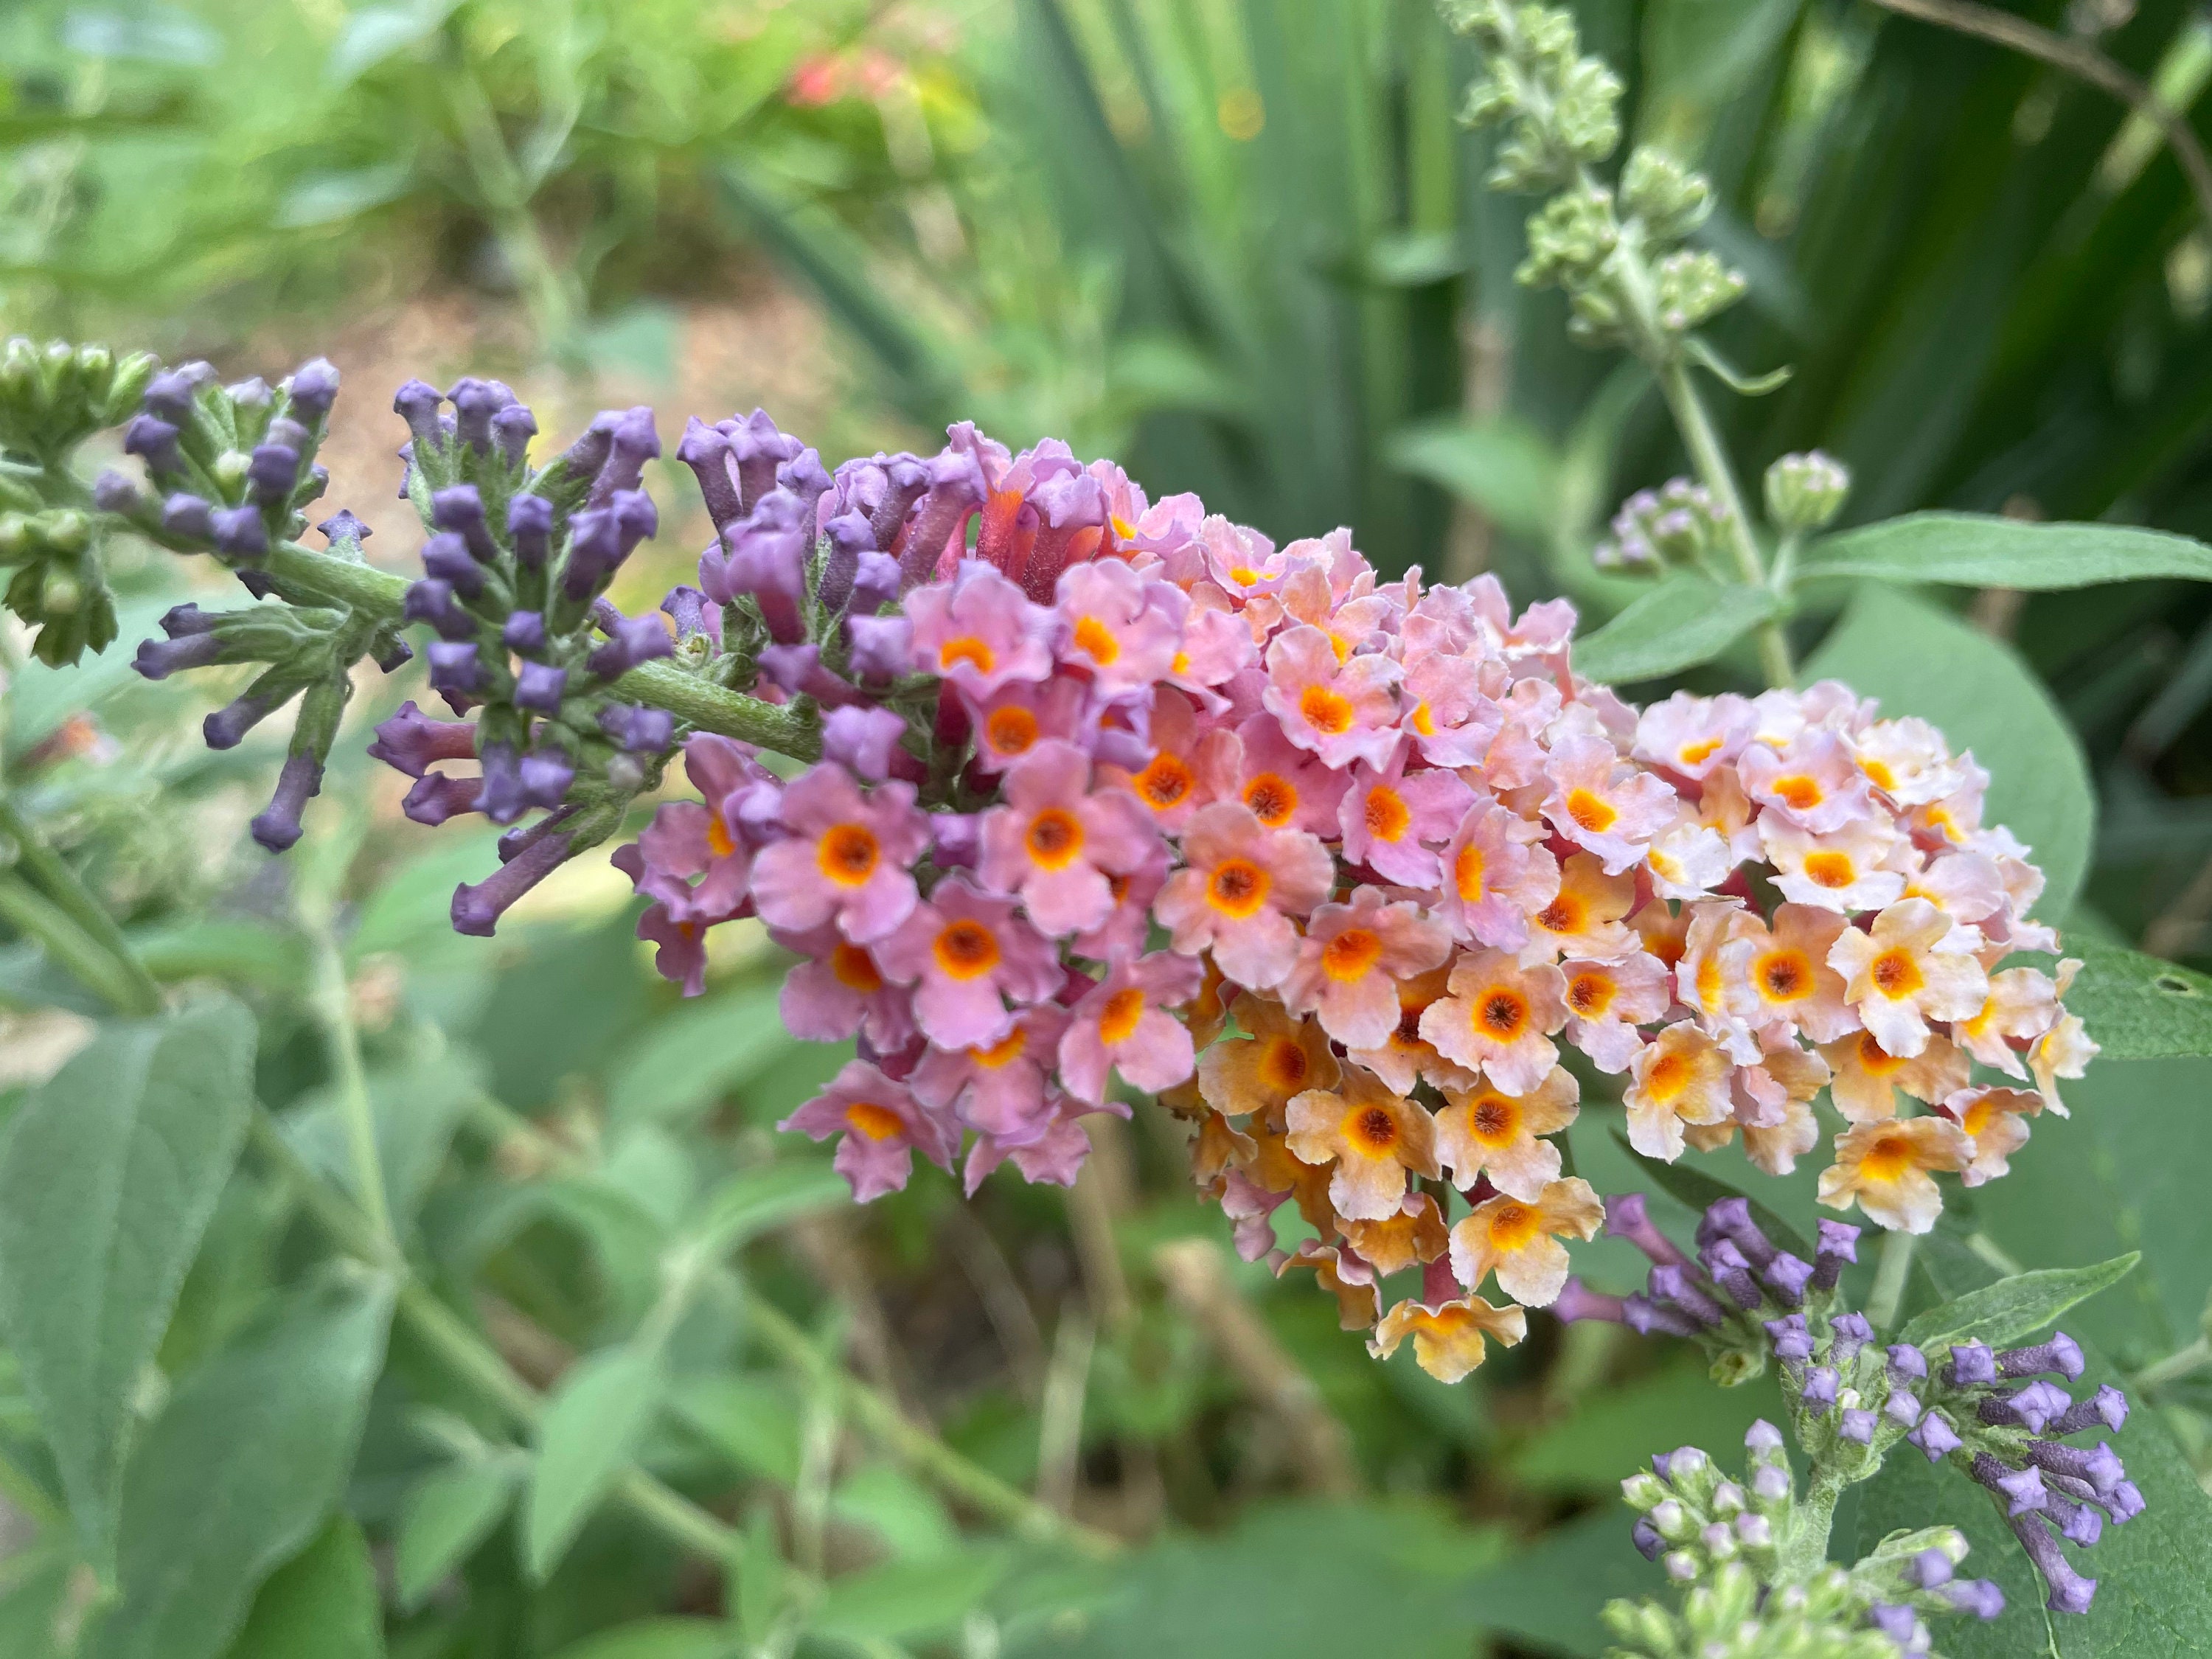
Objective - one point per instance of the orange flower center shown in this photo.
(1372, 1130)
(1667, 1077)
(855, 970)
(969, 649)
(1010, 730)
(1875, 1059)
(1238, 887)
(1785, 975)
(1165, 783)
(1564, 914)
(1830, 870)
(1977, 1116)
(1055, 838)
(1117, 1021)
(1274, 799)
(1351, 954)
(1692, 753)
(1423, 722)
(1096, 641)
(1593, 811)
(1468, 874)
(1387, 815)
(1878, 773)
(1887, 1159)
(1895, 974)
(1800, 792)
(1501, 1014)
(1003, 1053)
(848, 853)
(1514, 1227)
(1591, 993)
(1408, 1033)
(877, 1122)
(966, 950)
(1494, 1119)
(1283, 1066)
(718, 840)
(1327, 712)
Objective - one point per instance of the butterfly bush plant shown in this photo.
(1061, 796)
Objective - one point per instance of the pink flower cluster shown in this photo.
(1334, 865)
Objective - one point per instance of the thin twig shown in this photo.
(2083, 61)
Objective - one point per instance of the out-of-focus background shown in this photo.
(1243, 246)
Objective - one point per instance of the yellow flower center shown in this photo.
(1010, 730)
(1351, 954)
(1003, 1053)
(1284, 1065)
(1692, 753)
(1800, 792)
(969, 649)
(1494, 1121)
(1371, 1130)
(1591, 992)
(1501, 1014)
(1096, 641)
(1832, 871)
(1468, 874)
(855, 970)
(1895, 974)
(1667, 1078)
(877, 1122)
(1593, 811)
(1165, 783)
(719, 840)
(1887, 1159)
(1783, 976)
(1514, 1227)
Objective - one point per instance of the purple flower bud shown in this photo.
(875, 584)
(2061, 1354)
(1971, 1363)
(312, 389)
(1898, 1623)
(431, 600)
(1839, 1242)
(2108, 1406)
(2036, 1405)
(882, 647)
(477, 910)
(417, 404)
(1114, 746)
(459, 508)
(1934, 1436)
(2125, 1501)
(2101, 1468)
(1677, 1287)
(803, 476)
(188, 516)
(154, 441)
(706, 451)
(1730, 1218)
(251, 393)
(2069, 1591)
(1929, 1570)
(180, 620)
(1907, 1363)
(2021, 1489)
(169, 395)
(502, 798)
(342, 527)
(226, 727)
(1577, 1302)
(546, 775)
(540, 686)
(1771, 1484)
(276, 826)
(524, 632)
(511, 429)
(595, 549)
(956, 489)
(631, 640)
(159, 659)
(757, 449)
(1646, 1538)
(1643, 1316)
(239, 531)
(1732, 1272)
(113, 493)
(2078, 1523)
(847, 537)
(1762, 1440)
(1901, 1408)
(1793, 1342)
(1858, 1425)
(438, 796)
(766, 559)
(1819, 1390)
(1627, 1217)
(1787, 1276)
(864, 740)
(412, 742)
(272, 473)
(1755, 1531)
(631, 442)
(636, 729)
(694, 614)
(446, 558)
(454, 667)
(529, 527)
(474, 402)
(1977, 1596)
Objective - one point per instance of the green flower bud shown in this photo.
(1805, 492)
(1671, 200)
(1693, 288)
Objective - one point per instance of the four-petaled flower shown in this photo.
(1352, 960)
(968, 955)
(1518, 1239)
(1914, 965)
(1485, 1131)
(1498, 1019)
(1372, 1137)
(1122, 1024)
(1240, 885)
(1057, 845)
(849, 857)
(1885, 1168)
(882, 1124)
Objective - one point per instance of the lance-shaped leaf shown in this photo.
(2015, 1308)
(1976, 550)
(1686, 620)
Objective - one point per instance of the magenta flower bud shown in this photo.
(765, 558)
(957, 839)
(431, 600)
(1577, 1302)
(276, 826)
(1627, 1217)
(446, 558)
(864, 740)
(454, 667)
(412, 742)
(1934, 1436)
(272, 473)
(1929, 1570)
(540, 686)
(529, 527)
(477, 910)
(417, 403)
(630, 640)
(1972, 1364)
(1676, 1287)
(638, 731)
(2061, 1354)
(438, 796)
(882, 647)
(312, 389)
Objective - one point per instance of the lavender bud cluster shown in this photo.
(1675, 526)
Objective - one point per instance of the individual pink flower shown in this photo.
(1814, 782)
(1680, 1077)
(1956, 818)
(1053, 1158)
(1054, 844)
(1780, 973)
(849, 857)
(1343, 712)
(1372, 1137)
(1125, 630)
(1584, 916)
(1000, 1088)
(680, 953)
(979, 630)
(1907, 760)
(1242, 561)
(1494, 879)
(1217, 647)
(968, 955)
(1518, 1239)
(1351, 961)
(696, 857)
(1393, 823)
(1123, 1025)
(1020, 715)
(1187, 757)
(838, 993)
(1691, 735)
(1964, 886)
(1123, 931)
(2022, 1005)
(1602, 805)
(882, 1124)
(1239, 888)
(1607, 1000)
(1995, 1120)
(1915, 965)
(1449, 719)
(1285, 787)
(1848, 870)
(1689, 859)
(1498, 1018)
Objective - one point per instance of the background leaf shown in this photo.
(323, 1601)
(2138, 1006)
(658, 1638)
(1685, 621)
(591, 1427)
(1979, 550)
(449, 1513)
(2015, 1307)
(107, 1178)
(1700, 1191)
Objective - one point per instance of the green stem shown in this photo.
(331, 998)
(1887, 1297)
(1804, 1549)
(2184, 1362)
(60, 883)
(34, 915)
(1713, 470)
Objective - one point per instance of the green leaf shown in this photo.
(2015, 1308)
(415, 1113)
(1975, 550)
(906, 1598)
(751, 1420)
(1549, 1595)
(1921, 660)
(242, 1468)
(323, 1601)
(107, 1178)
(377, 32)
(2138, 1006)
(1610, 1430)
(2154, 1595)
(446, 1516)
(1701, 1191)
(33, 1586)
(1506, 467)
(684, 1062)
(592, 1427)
(1686, 620)
(657, 1639)
(758, 1200)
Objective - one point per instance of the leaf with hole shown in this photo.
(2138, 1006)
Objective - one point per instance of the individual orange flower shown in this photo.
(1277, 1058)
(1917, 965)
(1499, 1019)
(1885, 1168)
(1343, 1275)
(1701, 971)
(1781, 973)
(1519, 1241)
(2064, 1050)
(1866, 1075)
(1584, 918)
(2022, 1005)
(1274, 1168)
(1372, 1136)
(1448, 1336)
(1996, 1120)
(1415, 1234)
(1680, 1077)
(1406, 1056)
(1486, 1131)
